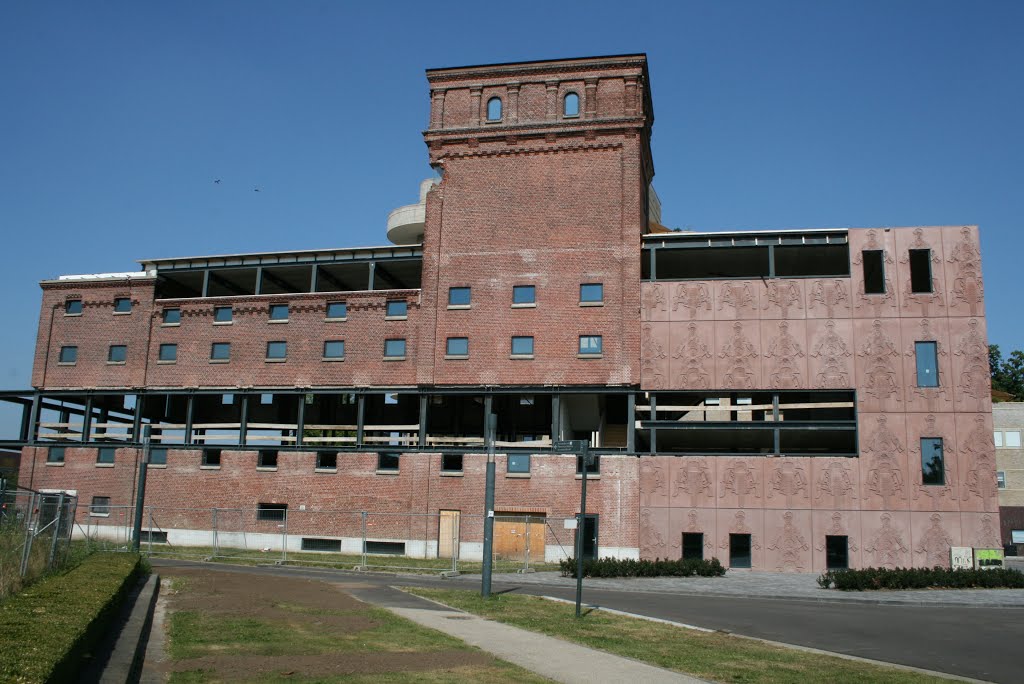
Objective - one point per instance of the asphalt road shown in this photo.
(981, 643)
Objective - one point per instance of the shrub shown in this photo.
(870, 579)
(47, 628)
(629, 567)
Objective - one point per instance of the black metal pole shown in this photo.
(140, 494)
(490, 430)
(581, 527)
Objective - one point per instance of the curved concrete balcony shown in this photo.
(405, 224)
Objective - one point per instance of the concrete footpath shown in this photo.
(559, 660)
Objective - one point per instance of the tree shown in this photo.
(1008, 374)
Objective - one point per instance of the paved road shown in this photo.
(982, 643)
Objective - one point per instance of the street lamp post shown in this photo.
(582, 449)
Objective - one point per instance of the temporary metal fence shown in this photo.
(35, 533)
(448, 541)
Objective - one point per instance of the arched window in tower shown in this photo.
(494, 109)
(572, 105)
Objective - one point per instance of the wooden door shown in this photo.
(448, 534)
(513, 534)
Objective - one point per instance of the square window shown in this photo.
(592, 469)
(394, 349)
(277, 350)
(387, 461)
(1012, 439)
(590, 345)
(334, 349)
(171, 316)
(158, 456)
(451, 463)
(168, 352)
(997, 437)
(693, 546)
(591, 293)
(522, 346)
(68, 354)
(227, 399)
(118, 353)
(220, 351)
(457, 346)
(1000, 479)
(337, 310)
(927, 364)
(211, 458)
(55, 455)
(266, 458)
(105, 454)
(459, 296)
(279, 312)
(266, 399)
(326, 460)
(225, 314)
(271, 512)
(524, 294)
(73, 307)
(100, 505)
(519, 463)
(391, 399)
(933, 465)
(122, 305)
(397, 308)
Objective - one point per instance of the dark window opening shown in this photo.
(122, 305)
(277, 349)
(55, 455)
(171, 316)
(105, 454)
(118, 353)
(933, 462)
(321, 545)
(68, 354)
(518, 463)
(326, 460)
(225, 314)
(168, 352)
(152, 537)
(266, 458)
(73, 307)
(592, 469)
(873, 261)
(921, 270)
(157, 456)
(271, 512)
(100, 505)
(693, 545)
(387, 461)
(334, 349)
(220, 351)
(739, 551)
(837, 555)
(211, 457)
(812, 261)
(708, 263)
(926, 354)
(384, 548)
(451, 463)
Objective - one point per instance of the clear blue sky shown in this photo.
(116, 117)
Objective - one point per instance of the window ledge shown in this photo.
(590, 476)
(387, 472)
(158, 466)
(220, 360)
(274, 360)
(116, 363)
(590, 356)
(523, 357)
(336, 320)
(104, 465)
(277, 321)
(67, 363)
(209, 467)
(530, 305)
(460, 306)
(332, 359)
(396, 318)
(67, 315)
(451, 473)
(98, 515)
(570, 116)
(591, 303)
(170, 325)
(232, 322)
(122, 313)
(325, 470)
(518, 476)
(266, 469)
(54, 464)
(166, 363)
(456, 357)
(394, 358)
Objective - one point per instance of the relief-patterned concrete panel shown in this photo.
(693, 355)
(654, 301)
(883, 462)
(976, 461)
(980, 530)
(654, 355)
(964, 285)
(788, 483)
(746, 521)
(830, 353)
(783, 298)
(878, 364)
(873, 305)
(654, 536)
(737, 299)
(738, 355)
(932, 535)
(927, 399)
(692, 301)
(924, 304)
(932, 497)
(971, 378)
(784, 363)
(696, 520)
(836, 483)
(838, 523)
(828, 298)
(887, 541)
(741, 483)
(655, 481)
(788, 540)
(694, 482)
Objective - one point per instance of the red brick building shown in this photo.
(782, 400)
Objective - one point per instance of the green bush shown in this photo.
(628, 567)
(47, 628)
(870, 579)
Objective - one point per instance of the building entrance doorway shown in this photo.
(448, 534)
(519, 536)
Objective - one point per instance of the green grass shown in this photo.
(714, 656)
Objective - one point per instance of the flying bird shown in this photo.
(255, 189)
(216, 181)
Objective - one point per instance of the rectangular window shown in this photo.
(693, 546)
(873, 261)
(220, 351)
(451, 463)
(590, 345)
(524, 294)
(326, 460)
(927, 364)
(277, 350)
(997, 437)
(384, 548)
(739, 551)
(334, 349)
(459, 296)
(152, 537)
(1012, 439)
(387, 461)
(168, 353)
(266, 398)
(519, 463)
(837, 553)
(55, 455)
(100, 505)
(266, 458)
(591, 293)
(279, 312)
(397, 308)
(457, 346)
(323, 545)
(522, 346)
(337, 310)
(594, 467)
(920, 270)
(68, 354)
(211, 458)
(933, 463)
(158, 456)
(394, 349)
(122, 305)
(226, 314)
(272, 512)
(118, 353)
(105, 455)
(73, 307)
(171, 316)
(1001, 479)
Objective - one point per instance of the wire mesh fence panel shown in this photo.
(104, 529)
(178, 532)
(34, 531)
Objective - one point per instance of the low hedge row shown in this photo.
(921, 578)
(46, 629)
(628, 567)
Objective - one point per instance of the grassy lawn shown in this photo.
(713, 656)
(253, 629)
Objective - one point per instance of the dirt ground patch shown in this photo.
(228, 627)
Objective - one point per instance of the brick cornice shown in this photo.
(536, 69)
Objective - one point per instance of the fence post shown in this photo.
(216, 539)
(140, 494)
(149, 543)
(284, 538)
(363, 546)
(526, 559)
(28, 535)
(455, 542)
(55, 537)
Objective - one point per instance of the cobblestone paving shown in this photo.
(769, 585)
